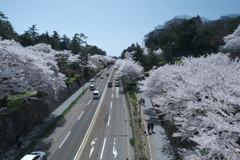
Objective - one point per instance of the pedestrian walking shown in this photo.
(149, 128)
(21, 141)
(141, 100)
(40, 120)
(17, 139)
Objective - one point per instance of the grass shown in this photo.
(132, 142)
(72, 79)
(177, 60)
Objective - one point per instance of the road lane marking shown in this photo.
(80, 115)
(114, 149)
(92, 147)
(64, 139)
(108, 120)
(103, 148)
(89, 102)
(81, 147)
(111, 105)
(112, 95)
(117, 93)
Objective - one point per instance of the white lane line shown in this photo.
(112, 95)
(108, 120)
(89, 102)
(80, 149)
(111, 105)
(64, 139)
(103, 148)
(80, 115)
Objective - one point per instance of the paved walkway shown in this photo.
(159, 144)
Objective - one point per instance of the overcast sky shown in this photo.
(112, 25)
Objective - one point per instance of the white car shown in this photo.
(92, 87)
(36, 155)
(96, 94)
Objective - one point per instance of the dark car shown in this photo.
(117, 84)
(107, 74)
(109, 84)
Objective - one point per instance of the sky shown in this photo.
(112, 25)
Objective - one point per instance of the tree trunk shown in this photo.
(4, 102)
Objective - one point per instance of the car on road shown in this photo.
(96, 94)
(109, 84)
(102, 77)
(117, 84)
(117, 78)
(92, 80)
(92, 87)
(107, 74)
(36, 155)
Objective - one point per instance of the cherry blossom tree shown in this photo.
(201, 98)
(148, 51)
(101, 60)
(128, 69)
(27, 69)
(232, 41)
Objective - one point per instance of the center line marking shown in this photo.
(89, 102)
(103, 148)
(64, 139)
(80, 116)
(111, 105)
(108, 120)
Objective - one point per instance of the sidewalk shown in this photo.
(159, 144)
(32, 135)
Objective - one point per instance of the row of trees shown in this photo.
(34, 62)
(182, 36)
(200, 97)
(196, 35)
(39, 68)
(31, 36)
(146, 57)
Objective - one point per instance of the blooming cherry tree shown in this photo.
(201, 98)
(232, 41)
(26, 69)
(128, 69)
(98, 61)
(146, 51)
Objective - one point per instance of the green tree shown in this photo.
(44, 38)
(32, 32)
(6, 29)
(64, 42)
(55, 41)
(77, 43)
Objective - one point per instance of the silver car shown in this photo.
(36, 155)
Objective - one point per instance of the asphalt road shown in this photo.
(93, 129)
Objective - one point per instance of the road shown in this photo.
(93, 129)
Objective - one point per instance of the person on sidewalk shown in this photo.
(152, 126)
(149, 128)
